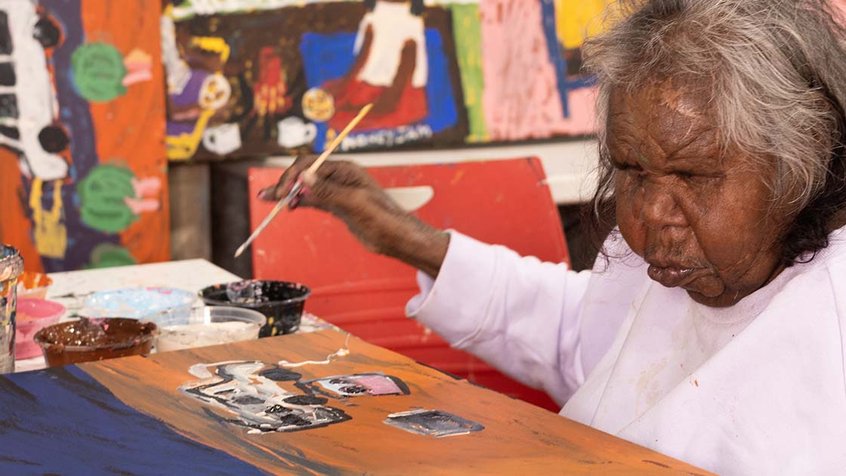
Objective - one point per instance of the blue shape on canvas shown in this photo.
(329, 57)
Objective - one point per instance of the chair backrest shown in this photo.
(502, 202)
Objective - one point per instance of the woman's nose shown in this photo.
(659, 205)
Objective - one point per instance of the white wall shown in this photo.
(569, 165)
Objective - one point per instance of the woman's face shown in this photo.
(701, 219)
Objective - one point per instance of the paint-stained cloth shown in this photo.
(756, 388)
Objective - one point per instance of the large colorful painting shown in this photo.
(249, 78)
(82, 118)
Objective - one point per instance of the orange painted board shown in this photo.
(517, 438)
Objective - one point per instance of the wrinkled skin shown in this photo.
(703, 221)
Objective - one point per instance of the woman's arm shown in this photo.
(519, 314)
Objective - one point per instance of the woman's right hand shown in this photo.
(348, 192)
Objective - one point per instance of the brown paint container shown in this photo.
(88, 340)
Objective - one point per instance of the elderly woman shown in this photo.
(711, 328)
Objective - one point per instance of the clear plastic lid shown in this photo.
(207, 315)
(207, 326)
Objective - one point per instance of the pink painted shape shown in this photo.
(147, 187)
(137, 77)
(141, 205)
(582, 120)
(521, 98)
(139, 67)
(377, 384)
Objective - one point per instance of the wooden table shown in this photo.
(130, 416)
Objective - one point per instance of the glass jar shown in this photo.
(11, 267)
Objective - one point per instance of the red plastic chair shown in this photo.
(504, 202)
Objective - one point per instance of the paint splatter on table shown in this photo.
(129, 415)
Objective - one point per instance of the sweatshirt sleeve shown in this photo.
(519, 314)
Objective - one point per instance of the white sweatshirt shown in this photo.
(756, 388)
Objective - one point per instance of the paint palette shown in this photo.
(435, 423)
(138, 303)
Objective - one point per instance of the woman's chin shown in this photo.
(712, 294)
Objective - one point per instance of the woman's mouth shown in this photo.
(672, 276)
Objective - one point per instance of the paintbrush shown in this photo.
(298, 185)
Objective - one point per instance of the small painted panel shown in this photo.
(373, 384)
(435, 423)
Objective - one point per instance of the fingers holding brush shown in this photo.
(314, 164)
(287, 180)
(347, 191)
(294, 187)
(337, 186)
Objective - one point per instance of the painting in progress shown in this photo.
(249, 395)
(255, 77)
(167, 414)
(82, 162)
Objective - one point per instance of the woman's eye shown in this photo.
(694, 178)
(636, 171)
(627, 167)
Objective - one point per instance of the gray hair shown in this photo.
(773, 73)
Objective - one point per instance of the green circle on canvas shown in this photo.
(98, 72)
(102, 195)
